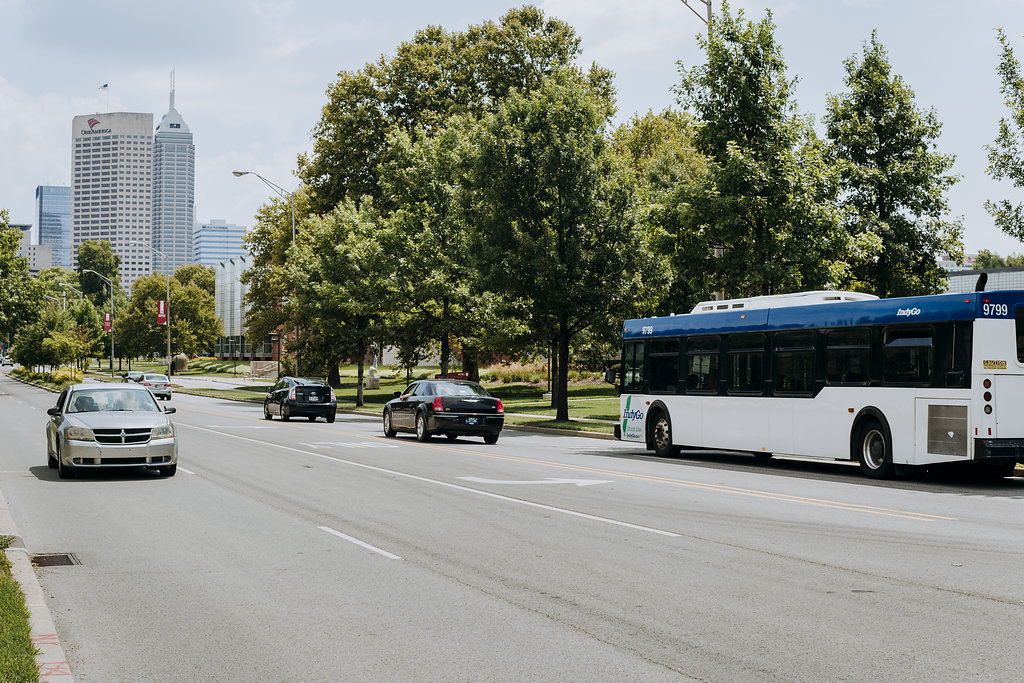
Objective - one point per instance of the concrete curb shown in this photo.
(50, 658)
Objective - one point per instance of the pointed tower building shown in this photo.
(174, 190)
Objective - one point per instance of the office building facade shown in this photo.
(174, 181)
(53, 216)
(111, 187)
(217, 241)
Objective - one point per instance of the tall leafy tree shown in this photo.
(194, 325)
(1005, 156)
(21, 297)
(339, 267)
(267, 280)
(894, 182)
(431, 78)
(435, 280)
(762, 219)
(98, 255)
(553, 216)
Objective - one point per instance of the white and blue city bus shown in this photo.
(837, 375)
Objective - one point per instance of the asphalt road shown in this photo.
(307, 551)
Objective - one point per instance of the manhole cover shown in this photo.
(55, 560)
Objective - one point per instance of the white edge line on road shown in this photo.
(184, 470)
(348, 538)
(467, 489)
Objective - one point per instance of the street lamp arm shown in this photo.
(100, 275)
(285, 194)
(706, 20)
(64, 284)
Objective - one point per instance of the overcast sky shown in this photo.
(251, 76)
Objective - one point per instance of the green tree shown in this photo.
(894, 183)
(1005, 159)
(21, 297)
(762, 219)
(194, 325)
(659, 149)
(98, 255)
(431, 78)
(203, 277)
(267, 280)
(553, 217)
(435, 281)
(337, 267)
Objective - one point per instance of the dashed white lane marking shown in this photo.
(348, 538)
(457, 487)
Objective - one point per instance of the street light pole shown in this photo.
(111, 283)
(168, 311)
(703, 2)
(290, 196)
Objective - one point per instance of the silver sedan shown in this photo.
(95, 426)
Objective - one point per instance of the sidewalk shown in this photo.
(50, 657)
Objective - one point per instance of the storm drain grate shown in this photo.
(55, 560)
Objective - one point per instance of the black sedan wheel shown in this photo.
(422, 434)
(389, 430)
(284, 414)
(266, 412)
(490, 438)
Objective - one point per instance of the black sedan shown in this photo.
(445, 406)
(300, 397)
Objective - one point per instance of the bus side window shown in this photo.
(847, 353)
(702, 364)
(907, 355)
(793, 359)
(663, 365)
(633, 366)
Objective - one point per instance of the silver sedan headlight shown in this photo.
(79, 434)
(163, 432)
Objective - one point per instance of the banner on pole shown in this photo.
(106, 322)
(161, 313)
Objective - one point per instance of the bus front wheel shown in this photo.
(874, 450)
(661, 436)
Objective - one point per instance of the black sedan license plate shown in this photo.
(471, 420)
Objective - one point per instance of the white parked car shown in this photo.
(96, 426)
(158, 384)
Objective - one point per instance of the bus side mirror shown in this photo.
(609, 375)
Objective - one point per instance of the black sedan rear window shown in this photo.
(446, 389)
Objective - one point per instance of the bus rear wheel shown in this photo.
(661, 436)
(874, 451)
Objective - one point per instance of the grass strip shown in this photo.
(17, 654)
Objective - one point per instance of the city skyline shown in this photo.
(254, 77)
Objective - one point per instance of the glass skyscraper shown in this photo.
(174, 185)
(53, 216)
(217, 241)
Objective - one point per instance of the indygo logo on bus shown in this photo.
(632, 422)
(908, 311)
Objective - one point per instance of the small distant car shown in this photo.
(6, 360)
(133, 376)
(445, 406)
(300, 397)
(99, 426)
(158, 384)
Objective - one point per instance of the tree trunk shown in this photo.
(446, 351)
(553, 362)
(469, 363)
(334, 376)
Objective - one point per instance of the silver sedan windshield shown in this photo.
(112, 399)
